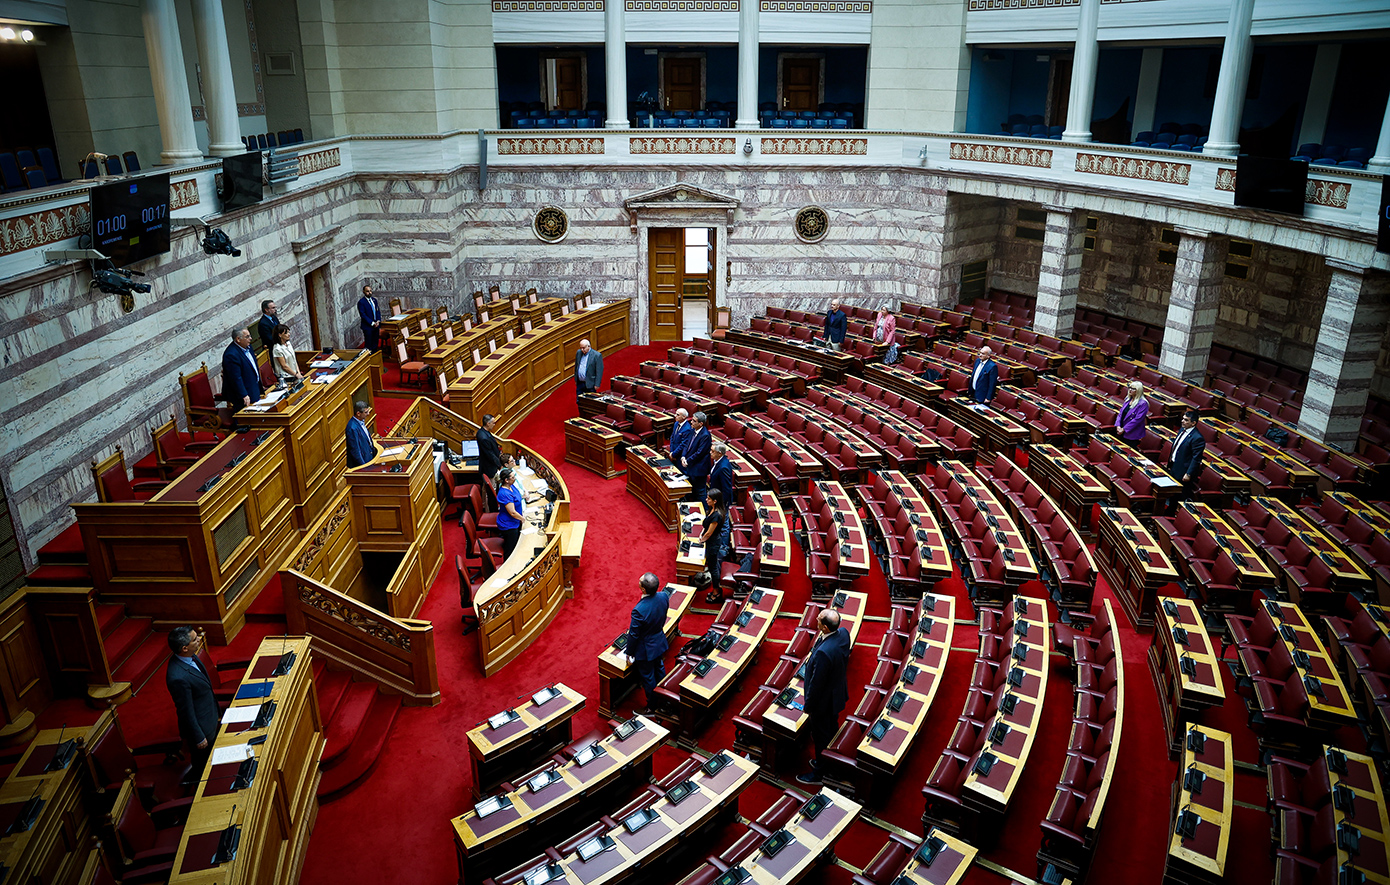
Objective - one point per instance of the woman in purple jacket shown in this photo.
(1134, 414)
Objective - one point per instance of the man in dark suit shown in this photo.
(241, 376)
(194, 703)
(646, 636)
(370, 312)
(360, 448)
(588, 368)
(680, 435)
(695, 456)
(984, 377)
(827, 687)
(1185, 461)
(721, 475)
(270, 318)
(836, 323)
(489, 453)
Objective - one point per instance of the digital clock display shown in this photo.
(130, 218)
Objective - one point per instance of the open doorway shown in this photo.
(316, 293)
(681, 286)
(697, 288)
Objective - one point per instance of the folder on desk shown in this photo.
(255, 690)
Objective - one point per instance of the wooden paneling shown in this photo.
(24, 679)
(666, 266)
(69, 637)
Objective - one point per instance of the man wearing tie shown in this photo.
(836, 324)
(680, 435)
(646, 636)
(360, 448)
(190, 686)
(827, 687)
(984, 377)
(370, 312)
(588, 368)
(1185, 461)
(270, 318)
(695, 457)
(241, 376)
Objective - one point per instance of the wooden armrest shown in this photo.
(171, 813)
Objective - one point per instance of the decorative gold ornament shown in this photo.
(551, 224)
(812, 224)
(127, 302)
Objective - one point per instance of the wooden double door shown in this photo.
(667, 281)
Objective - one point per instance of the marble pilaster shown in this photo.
(1059, 273)
(1344, 359)
(1192, 305)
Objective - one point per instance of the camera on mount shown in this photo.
(115, 282)
(216, 242)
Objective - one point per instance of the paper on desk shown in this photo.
(396, 450)
(542, 486)
(240, 714)
(320, 364)
(324, 379)
(234, 753)
(274, 396)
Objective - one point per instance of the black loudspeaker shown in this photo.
(482, 160)
(1383, 224)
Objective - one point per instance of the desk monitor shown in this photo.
(492, 805)
(919, 649)
(501, 719)
(814, 806)
(1015, 676)
(733, 876)
(589, 754)
(639, 819)
(910, 674)
(1170, 607)
(1186, 827)
(592, 848)
(1348, 838)
(1021, 606)
(931, 847)
(545, 696)
(743, 618)
(925, 624)
(1193, 780)
(1300, 659)
(1314, 686)
(1020, 651)
(1197, 743)
(1343, 798)
(621, 642)
(627, 729)
(985, 763)
(786, 696)
(840, 600)
(881, 728)
(1273, 608)
(801, 671)
(727, 642)
(999, 732)
(681, 791)
(895, 703)
(1180, 636)
(704, 667)
(1009, 703)
(716, 763)
(542, 780)
(776, 842)
(1187, 665)
(1337, 760)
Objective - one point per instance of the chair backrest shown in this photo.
(167, 442)
(401, 357)
(132, 161)
(197, 390)
(34, 177)
(135, 831)
(112, 481)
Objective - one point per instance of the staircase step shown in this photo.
(123, 640)
(362, 756)
(109, 617)
(146, 660)
(65, 575)
(332, 685)
(347, 722)
(64, 549)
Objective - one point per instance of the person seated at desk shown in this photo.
(360, 448)
(241, 376)
(282, 357)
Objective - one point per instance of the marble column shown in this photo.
(1319, 99)
(615, 63)
(224, 128)
(747, 65)
(1224, 136)
(1192, 304)
(1146, 98)
(1085, 59)
(1059, 276)
(171, 100)
(1381, 161)
(1344, 358)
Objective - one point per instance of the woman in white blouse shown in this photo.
(282, 355)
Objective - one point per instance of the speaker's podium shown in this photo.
(393, 495)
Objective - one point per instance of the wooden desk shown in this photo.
(1252, 572)
(660, 487)
(782, 725)
(699, 694)
(812, 839)
(1002, 433)
(392, 327)
(592, 446)
(691, 560)
(1135, 579)
(1183, 696)
(1336, 708)
(834, 365)
(1022, 567)
(866, 453)
(1202, 859)
(1234, 480)
(616, 675)
(881, 759)
(855, 559)
(497, 754)
(276, 812)
(925, 445)
(934, 556)
(56, 848)
(1300, 474)
(947, 868)
(987, 796)
(1068, 480)
(1368, 817)
(487, 845)
(903, 382)
(394, 507)
(767, 510)
(519, 375)
(634, 852)
(1346, 574)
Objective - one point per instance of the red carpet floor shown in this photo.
(395, 827)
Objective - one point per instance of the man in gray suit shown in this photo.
(588, 369)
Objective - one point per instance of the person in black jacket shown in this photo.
(836, 324)
(194, 703)
(1185, 461)
(827, 687)
(265, 326)
(489, 453)
(646, 636)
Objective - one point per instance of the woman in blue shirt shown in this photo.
(511, 504)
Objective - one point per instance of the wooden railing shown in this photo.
(396, 652)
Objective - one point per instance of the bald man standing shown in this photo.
(827, 687)
(588, 369)
(984, 377)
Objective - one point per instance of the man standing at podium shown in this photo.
(194, 703)
(241, 376)
(827, 687)
(646, 636)
(270, 318)
(360, 448)
(588, 369)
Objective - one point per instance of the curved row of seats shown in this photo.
(911, 546)
(807, 371)
(812, 335)
(826, 515)
(770, 381)
(741, 851)
(1362, 530)
(908, 432)
(954, 321)
(729, 394)
(1071, 572)
(663, 397)
(781, 458)
(1072, 825)
(844, 450)
(977, 526)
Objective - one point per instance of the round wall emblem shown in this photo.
(812, 224)
(551, 224)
